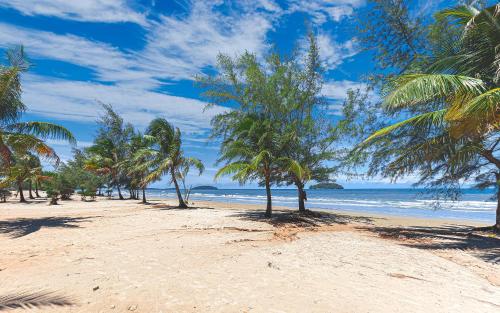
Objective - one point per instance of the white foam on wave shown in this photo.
(333, 202)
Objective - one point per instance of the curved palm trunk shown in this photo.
(144, 195)
(269, 206)
(30, 190)
(21, 194)
(182, 204)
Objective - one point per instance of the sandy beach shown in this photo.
(122, 256)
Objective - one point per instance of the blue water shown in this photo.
(476, 205)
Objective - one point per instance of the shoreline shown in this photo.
(407, 219)
(390, 219)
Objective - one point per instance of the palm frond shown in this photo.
(424, 120)
(43, 130)
(463, 14)
(231, 168)
(416, 89)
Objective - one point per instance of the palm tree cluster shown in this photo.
(277, 132)
(127, 159)
(22, 143)
(451, 103)
(120, 158)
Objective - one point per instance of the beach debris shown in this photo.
(271, 265)
(95, 288)
(132, 307)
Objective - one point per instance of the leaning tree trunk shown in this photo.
(21, 194)
(144, 195)
(302, 196)
(182, 204)
(120, 196)
(30, 185)
(269, 206)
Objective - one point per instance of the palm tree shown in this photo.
(110, 146)
(166, 157)
(462, 94)
(248, 150)
(22, 142)
(23, 169)
(22, 137)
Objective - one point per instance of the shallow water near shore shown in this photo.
(474, 205)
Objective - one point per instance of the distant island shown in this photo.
(326, 186)
(204, 188)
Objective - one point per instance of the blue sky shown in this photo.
(141, 57)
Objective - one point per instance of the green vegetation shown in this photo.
(166, 157)
(279, 134)
(326, 186)
(446, 97)
(204, 188)
(22, 143)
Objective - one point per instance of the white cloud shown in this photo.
(177, 47)
(58, 143)
(109, 63)
(185, 45)
(324, 10)
(333, 53)
(336, 91)
(108, 11)
(73, 100)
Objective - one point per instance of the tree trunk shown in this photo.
(21, 194)
(302, 196)
(120, 196)
(182, 204)
(269, 206)
(30, 188)
(144, 195)
(53, 200)
(36, 190)
(496, 228)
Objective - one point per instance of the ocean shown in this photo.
(475, 205)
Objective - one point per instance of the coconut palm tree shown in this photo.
(250, 150)
(18, 137)
(166, 157)
(457, 132)
(246, 150)
(22, 170)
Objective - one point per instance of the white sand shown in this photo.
(121, 256)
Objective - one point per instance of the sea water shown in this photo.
(473, 204)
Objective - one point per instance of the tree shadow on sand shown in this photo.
(174, 207)
(31, 300)
(288, 218)
(24, 226)
(460, 237)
